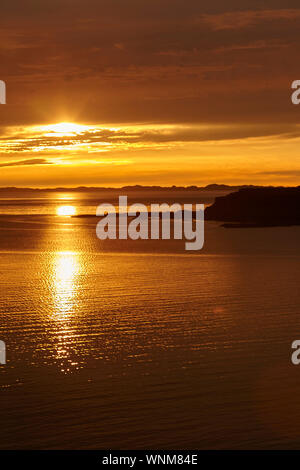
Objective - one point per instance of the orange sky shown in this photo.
(138, 92)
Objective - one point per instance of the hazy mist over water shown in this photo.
(139, 344)
(47, 203)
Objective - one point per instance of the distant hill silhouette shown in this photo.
(89, 189)
(257, 207)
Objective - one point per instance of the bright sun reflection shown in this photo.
(66, 211)
(66, 267)
(65, 279)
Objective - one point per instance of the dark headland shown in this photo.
(257, 207)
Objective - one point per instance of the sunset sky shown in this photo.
(117, 92)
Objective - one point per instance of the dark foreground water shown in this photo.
(143, 345)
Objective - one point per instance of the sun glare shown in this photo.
(65, 128)
(66, 211)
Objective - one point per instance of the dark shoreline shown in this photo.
(260, 207)
(260, 225)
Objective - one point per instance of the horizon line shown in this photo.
(219, 186)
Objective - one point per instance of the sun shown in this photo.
(66, 211)
(65, 128)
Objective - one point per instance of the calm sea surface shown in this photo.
(143, 345)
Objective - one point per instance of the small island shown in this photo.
(257, 207)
